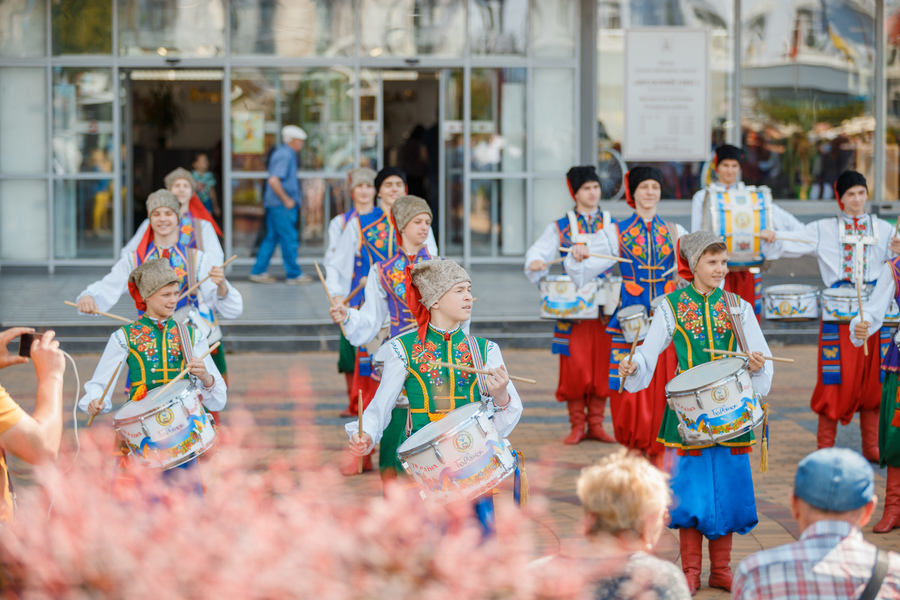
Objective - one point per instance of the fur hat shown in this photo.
(179, 173)
(635, 177)
(387, 172)
(728, 152)
(845, 181)
(406, 208)
(149, 278)
(360, 176)
(693, 245)
(161, 198)
(578, 176)
(434, 278)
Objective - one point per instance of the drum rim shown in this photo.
(637, 314)
(161, 407)
(449, 433)
(811, 291)
(717, 383)
(558, 278)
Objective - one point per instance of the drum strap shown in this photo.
(478, 363)
(733, 302)
(186, 347)
(191, 256)
(198, 236)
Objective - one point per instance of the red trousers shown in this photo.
(743, 283)
(860, 386)
(584, 374)
(637, 418)
(366, 384)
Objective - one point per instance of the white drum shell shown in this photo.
(459, 457)
(791, 302)
(743, 202)
(633, 322)
(165, 431)
(840, 305)
(714, 402)
(561, 300)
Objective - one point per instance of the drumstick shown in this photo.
(607, 257)
(178, 377)
(555, 261)
(859, 299)
(355, 291)
(670, 271)
(359, 409)
(191, 289)
(438, 363)
(787, 239)
(106, 389)
(102, 314)
(745, 355)
(630, 355)
(327, 293)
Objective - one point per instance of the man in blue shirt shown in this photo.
(282, 203)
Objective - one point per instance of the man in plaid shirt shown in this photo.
(834, 495)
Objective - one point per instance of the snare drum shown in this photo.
(791, 302)
(841, 304)
(459, 457)
(191, 314)
(654, 303)
(560, 299)
(714, 402)
(633, 322)
(166, 430)
(611, 287)
(738, 215)
(892, 316)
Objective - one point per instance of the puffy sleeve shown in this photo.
(659, 336)
(431, 243)
(212, 247)
(215, 397)
(132, 244)
(803, 242)
(762, 381)
(785, 221)
(605, 242)
(877, 305)
(339, 264)
(378, 414)
(229, 306)
(108, 290)
(697, 210)
(114, 354)
(506, 418)
(335, 227)
(363, 324)
(544, 249)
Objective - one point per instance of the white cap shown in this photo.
(292, 132)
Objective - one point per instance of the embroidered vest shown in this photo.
(357, 299)
(376, 242)
(435, 391)
(652, 253)
(183, 261)
(392, 277)
(155, 356)
(189, 233)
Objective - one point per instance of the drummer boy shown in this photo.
(711, 483)
(439, 293)
(152, 350)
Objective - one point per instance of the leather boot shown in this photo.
(691, 541)
(891, 517)
(577, 419)
(868, 427)
(720, 575)
(826, 432)
(595, 412)
(351, 467)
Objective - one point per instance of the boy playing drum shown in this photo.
(711, 483)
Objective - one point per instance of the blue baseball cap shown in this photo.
(835, 479)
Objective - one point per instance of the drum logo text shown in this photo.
(165, 417)
(463, 441)
(720, 394)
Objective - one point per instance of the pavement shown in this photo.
(295, 399)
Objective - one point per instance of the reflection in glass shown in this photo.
(555, 200)
(370, 132)
(453, 157)
(497, 217)
(293, 28)
(23, 29)
(83, 213)
(171, 27)
(554, 131)
(82, 117)
(410, 27)
(498, 27)
(23, 220)
(498, 119)
(23, 120)
(82, 27)
(807, 77)
(554, 29)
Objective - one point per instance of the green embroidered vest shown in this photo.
(700, 322)
(434, 391)
(154, 355)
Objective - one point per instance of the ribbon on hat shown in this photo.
(199, 211)
(138, 300)
(397, 235)
(684, 267)
(414, 301)
(571, 191)
(628, 197)
(838, 196)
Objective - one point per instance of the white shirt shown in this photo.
(378, 414)
(822, 239)
(115, 354)
(782, 220)
(208, 238)
(877, 305)
(659, 336)
(546, 248)
(335, 228)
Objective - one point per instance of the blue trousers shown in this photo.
(281, 230)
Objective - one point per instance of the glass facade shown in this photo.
(100, 98)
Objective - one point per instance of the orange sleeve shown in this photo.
(10, 412)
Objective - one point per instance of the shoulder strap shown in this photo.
(187, 348)
(198, 234)
(882, 558)
(606, 217)
(478, 364)
(733, 302)
(573, 223)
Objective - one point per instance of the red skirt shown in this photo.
(748, 286)
(585, 372)
(637, 418)
(860, 386)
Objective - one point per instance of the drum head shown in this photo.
(557, 278)
(434, 430)
(183, 314)
(630, 311)
(703, 375)
(791, 288)
(153, 400)
(656, 302)
(841, 292)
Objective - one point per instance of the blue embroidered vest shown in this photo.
(357, 299)
(376, 242)
(183, 261)
(392, 277)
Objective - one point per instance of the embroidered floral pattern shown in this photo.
(424, 354)
(142, 338)
(859, 226)
(463, 356)
(691, 316)
(186, 232)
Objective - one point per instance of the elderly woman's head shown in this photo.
(624, 494)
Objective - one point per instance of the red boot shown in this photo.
(351, 467)
(691, 556)
(891, 517)
(577, 419)
(596, 407)
(720, 575)
(868, 427)
(826, 432)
